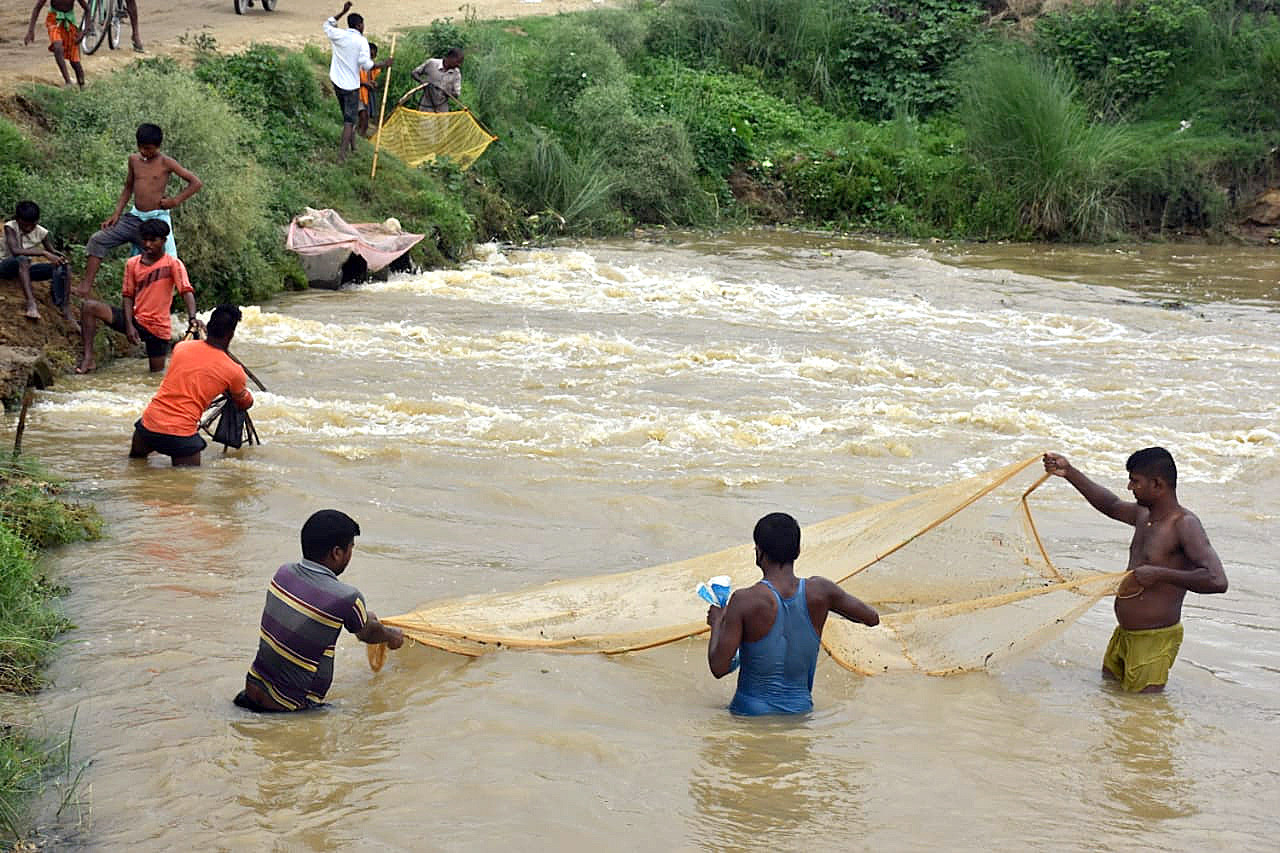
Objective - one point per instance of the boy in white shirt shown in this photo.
(25, 239)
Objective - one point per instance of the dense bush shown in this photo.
(1031, 133)
(1123, 53)
(730, 118)
(874, 56)
(573, 59)
(223, 232)
(897, 56)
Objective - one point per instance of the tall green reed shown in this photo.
(1029, 129)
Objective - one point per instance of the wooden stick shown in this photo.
(247, 371)
(382, 111)
(414, 90)
(27, 397)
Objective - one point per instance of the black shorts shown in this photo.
(56, 274)
(349, 100)
(155, 344)
(170, 445)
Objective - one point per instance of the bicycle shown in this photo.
(102, 20)
(241, 5)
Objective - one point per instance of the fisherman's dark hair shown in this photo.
(1154, 462)
(27, 211)
(454, 53)
(223, 321)
(355, 21)
(149, 134)
(778, 536)
(326, 530)
(373, 50)
(153, 228)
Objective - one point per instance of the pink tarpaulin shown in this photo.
(316, 232)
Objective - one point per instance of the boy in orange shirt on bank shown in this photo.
(368, 79)
(64, 35)
(150, 280)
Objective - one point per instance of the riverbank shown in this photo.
(34, 515)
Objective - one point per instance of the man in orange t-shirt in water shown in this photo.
(199, 372)
(150, 280)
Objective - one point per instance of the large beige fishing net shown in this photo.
(958, 573)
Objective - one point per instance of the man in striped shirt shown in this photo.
(307, 608)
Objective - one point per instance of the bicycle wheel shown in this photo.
(239, 6)
(113, 29)
(93, 27)
(268, 5)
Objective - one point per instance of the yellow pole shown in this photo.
(382, 111)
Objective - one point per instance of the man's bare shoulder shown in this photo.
(750, 596)
(1188, 522)
(818, 583)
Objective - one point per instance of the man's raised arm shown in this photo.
(1099, 497)
(328, 26)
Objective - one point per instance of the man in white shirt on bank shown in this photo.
(350, 54)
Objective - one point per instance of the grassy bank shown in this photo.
(1149, 118)
(33, 516)
(924, 119)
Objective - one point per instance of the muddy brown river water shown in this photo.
(544, 414)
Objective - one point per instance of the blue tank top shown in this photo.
(776, 674)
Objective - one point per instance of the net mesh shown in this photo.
(420, 137)
(958, 573)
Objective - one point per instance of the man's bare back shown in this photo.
(761, 606)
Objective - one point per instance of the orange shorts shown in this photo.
(68, 34)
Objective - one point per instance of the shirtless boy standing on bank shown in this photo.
(145, 183)
(1170, 554)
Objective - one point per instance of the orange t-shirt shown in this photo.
(151, 287)
(197, 374)
(367, 78)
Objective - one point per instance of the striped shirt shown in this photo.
(307, 608)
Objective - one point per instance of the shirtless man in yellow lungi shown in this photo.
(1170, 554)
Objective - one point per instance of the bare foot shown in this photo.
(86, 366)
(72, 323)
(33, 313)
(138, 48)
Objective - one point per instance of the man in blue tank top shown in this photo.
(776, 625)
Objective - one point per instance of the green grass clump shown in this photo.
(31, 514)
(1027, 127)
(32, 507)
(28, 624)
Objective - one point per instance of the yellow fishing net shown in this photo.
(417, 137)
(958, 573)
